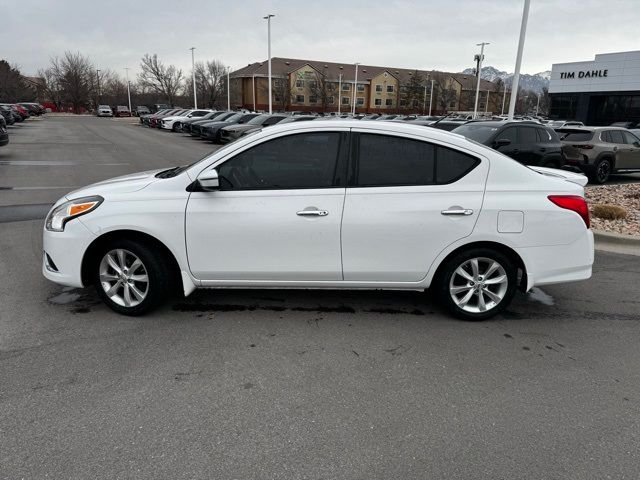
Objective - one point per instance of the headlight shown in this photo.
(59, 216)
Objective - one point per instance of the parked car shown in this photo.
(624, 124)
(34, 108)
(8, 115)
(211, 131)
(141, 110)
(22, 112)
(146, 119)
(186, 123)
(104, 111)
(198, 127)
(276, 210)
(154, 120)
(530, 143)
(448, 124)
(4, 134)
(233, 132)
(564, 123)
(601, 151)
(174, 122)
(160, 106)
(121, 111)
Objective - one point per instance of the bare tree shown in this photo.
(74, 75)
(446, 93)
(323, 89)
(412, 94)
(50, 86)
(210, 82)
(163, 80)
(282, 93)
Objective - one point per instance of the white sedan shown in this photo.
(173, 123)
(333, 204)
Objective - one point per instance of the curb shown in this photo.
(616, 238)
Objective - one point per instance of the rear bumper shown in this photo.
(559, 263)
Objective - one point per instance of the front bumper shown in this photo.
(66, 251)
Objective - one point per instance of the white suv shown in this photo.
(333, 204)
(104, 111)
(174, 122)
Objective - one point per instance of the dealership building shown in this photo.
(597, 92)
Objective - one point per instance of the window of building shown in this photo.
(378, 88)
(345, 100)
(306, 160)
(313, 99)
(377, 102)
(388, 102)
(300, 83)
(361, 87)
(390, 88)
(330, 100)
(277, 98)
(346, 87)
(403, 102)
(312, 83)
(299, 98)
(359, 101)
(415, 103)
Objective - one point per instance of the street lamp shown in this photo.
(516, 74)
(479, 72)
(193, 77)
(98, 77)
(339, 92)
(355, 87)
(126, 69)
(268, 19)
(229, 91)
(431, 98)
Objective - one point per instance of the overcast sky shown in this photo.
(426, 34)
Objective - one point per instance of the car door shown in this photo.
(618, 146)
(277, 214)
(629, 156)
(527, 145)
(406, 201)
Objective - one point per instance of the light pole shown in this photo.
(431, 98)
(193, 76)
(253, 90)
(424, 99)
(339, 92)
(355, 87)
(486, 105)
(479, 72)
(229, 91)
(268, 19)
(538, 106)
(504, 97)
(126, 69)
(98, 77)
(516, 74)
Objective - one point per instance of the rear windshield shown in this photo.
(475, 131)
(574, 135)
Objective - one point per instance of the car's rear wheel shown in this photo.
(176, 127)
(601, 171)
(478, 283)
(131, 278)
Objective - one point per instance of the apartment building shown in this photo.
(310, 85)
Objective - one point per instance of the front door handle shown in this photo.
(312, 213)
(457, 211)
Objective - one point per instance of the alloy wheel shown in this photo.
(604, 169)
(124, 278)
(478, 285)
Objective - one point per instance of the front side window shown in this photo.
(630, 138)
(305, 160)
(527, 135)
(616, 136)
(508, 134)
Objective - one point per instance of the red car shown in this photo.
(23, 112)
(121, 111)
(154, 121)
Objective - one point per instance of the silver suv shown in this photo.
(600, 151)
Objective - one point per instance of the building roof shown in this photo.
(280, 67)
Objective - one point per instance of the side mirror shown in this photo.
(501, 142)
(209, 181)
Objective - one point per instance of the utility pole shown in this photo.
(339, 92)
(268, 19)
(126, 69)
(516, 75)
(229, 91)
(479, 72)
(486, 105)
(538, 106)
(253, 90)
(355, 87)
(504, 97)
(424, 99)
(431, 98)
(98, 77)
(193, 75)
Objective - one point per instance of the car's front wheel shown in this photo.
(130, 277)
(478, 283)
(601, 171)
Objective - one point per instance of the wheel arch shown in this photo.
(501, 247)
(91, 256)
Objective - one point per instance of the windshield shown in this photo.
(234, 117)
(475, 131)
(259, 120)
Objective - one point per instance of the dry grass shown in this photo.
(609, 212)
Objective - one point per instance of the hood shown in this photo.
(124, 184)
(577, 178)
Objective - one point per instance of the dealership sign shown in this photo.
(585, 74)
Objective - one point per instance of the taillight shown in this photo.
(574, 203)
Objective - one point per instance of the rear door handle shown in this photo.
(312, 213)
(457, 211)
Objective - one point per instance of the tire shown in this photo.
(468, 289)
(601, 171)
(106, 275)
(174, 127)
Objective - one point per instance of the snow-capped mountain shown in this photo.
(535, 82)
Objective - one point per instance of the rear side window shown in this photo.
(305, 160)
(388, 161)
(544, 136)
(527, 135)
(575, 135)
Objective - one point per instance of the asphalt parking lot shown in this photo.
(294, 384)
